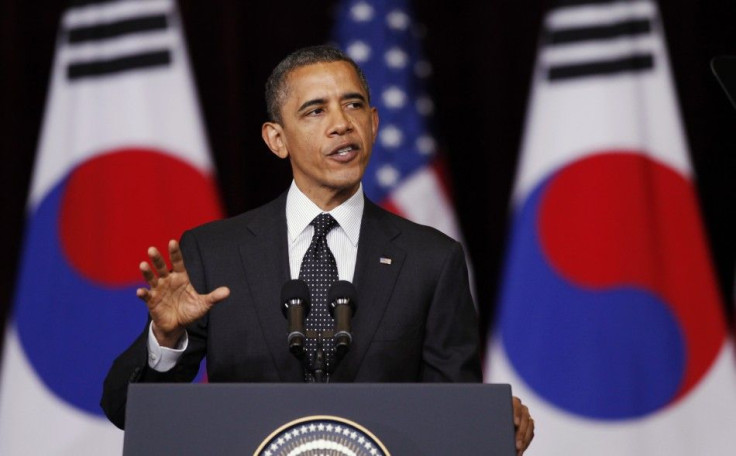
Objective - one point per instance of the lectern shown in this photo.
(319, 419)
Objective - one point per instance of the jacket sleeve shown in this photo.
(451, 347)
(132, 365)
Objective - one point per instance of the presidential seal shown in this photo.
(321, 435)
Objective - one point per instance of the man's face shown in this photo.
(327, 130)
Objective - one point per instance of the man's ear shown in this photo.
(374, 122)
(273, 135)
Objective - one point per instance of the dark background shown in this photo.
(482, 54)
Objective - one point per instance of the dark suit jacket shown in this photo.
(415, 319)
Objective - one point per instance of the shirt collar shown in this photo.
(300, 211)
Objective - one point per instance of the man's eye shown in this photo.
(355, 104)
(315, 112)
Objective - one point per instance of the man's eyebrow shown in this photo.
(308, 103)
(321, 101)
(353, 96)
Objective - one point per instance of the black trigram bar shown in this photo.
(118, 65)
(634, 63)
(600, 32)
(118, 28)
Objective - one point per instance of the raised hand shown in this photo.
(172, 301)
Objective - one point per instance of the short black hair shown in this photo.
(276, 83)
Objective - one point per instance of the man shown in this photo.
(416, 321)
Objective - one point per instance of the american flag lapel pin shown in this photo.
(385, 260)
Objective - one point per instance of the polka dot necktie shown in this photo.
(319, 271)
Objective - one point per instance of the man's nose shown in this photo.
(341, 123)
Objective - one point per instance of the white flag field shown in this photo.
(610, 324)
(122, 164)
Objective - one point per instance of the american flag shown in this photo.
(405, 174)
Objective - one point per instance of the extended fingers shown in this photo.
(217, 295)
(158, 262)
(148, 274)
(143, 294)
(177, 260)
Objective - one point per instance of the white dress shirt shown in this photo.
(300, 211)
(342, 239)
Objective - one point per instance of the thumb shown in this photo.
(217, 295)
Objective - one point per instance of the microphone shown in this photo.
(295, 306)
(342, 307)
(319, 364)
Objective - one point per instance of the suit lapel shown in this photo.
(265, 259)
(374, 280)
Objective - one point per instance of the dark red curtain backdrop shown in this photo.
(482, 53)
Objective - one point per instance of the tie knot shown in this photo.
(323, 223)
